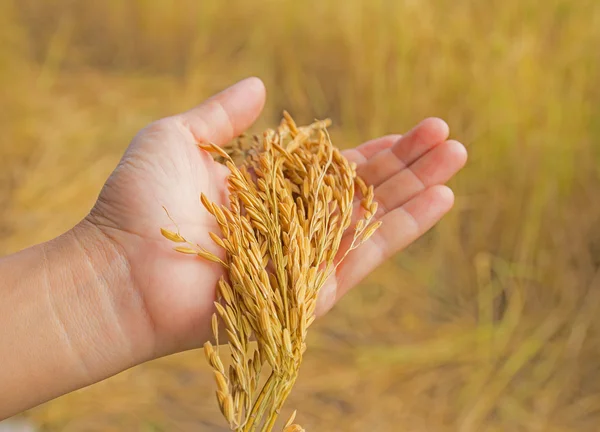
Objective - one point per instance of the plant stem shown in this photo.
(257, 407)
(270, 423)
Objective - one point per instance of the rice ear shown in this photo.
(291, 201)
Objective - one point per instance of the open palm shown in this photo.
(164, 167)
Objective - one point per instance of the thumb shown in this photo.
(227, 114)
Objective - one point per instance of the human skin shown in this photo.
(110, 293)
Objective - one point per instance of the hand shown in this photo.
(164, 167)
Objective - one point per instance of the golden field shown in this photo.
(491, 322)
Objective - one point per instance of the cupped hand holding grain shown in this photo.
(111, 293)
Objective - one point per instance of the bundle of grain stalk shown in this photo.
(291, 202)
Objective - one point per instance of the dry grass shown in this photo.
(291, 204)
(488, 323)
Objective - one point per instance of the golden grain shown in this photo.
(290, 420)
(173, 236)
(221, 382)
(186, 250)
(370, 230)
(291, 202)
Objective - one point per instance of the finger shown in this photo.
(227, 114)
(367, 150)
(433, 168)
(400, 227)
(422, 138)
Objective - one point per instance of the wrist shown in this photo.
(109, 321)
(70, 318)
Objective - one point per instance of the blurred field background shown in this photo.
(489, 323)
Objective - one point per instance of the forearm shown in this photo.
(68, 318)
